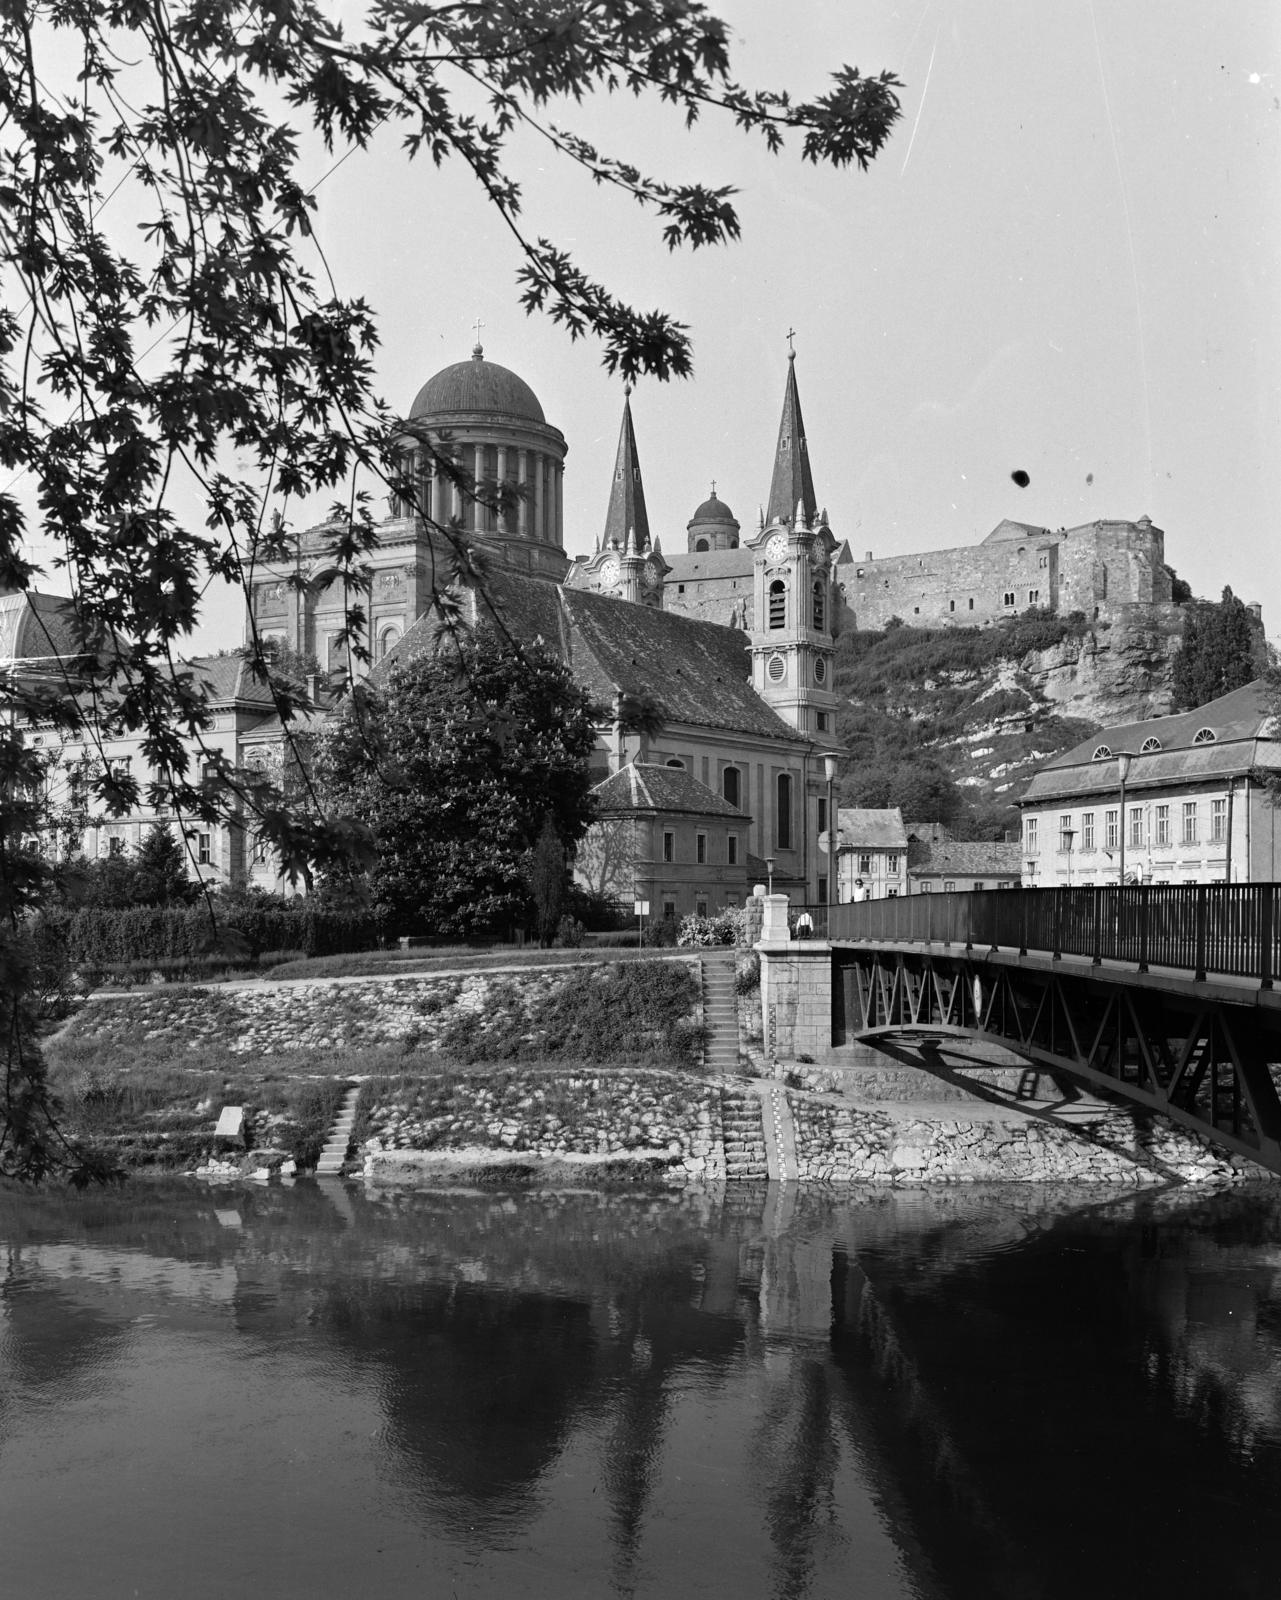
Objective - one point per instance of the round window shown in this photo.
(820, 670)
(777, 669)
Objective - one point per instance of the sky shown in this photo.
(1065, 262)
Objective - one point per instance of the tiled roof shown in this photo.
(1009, 529)
(640, 786)
(1244, 732)
(965, 859)
(230, 678)
(698, 671)
(862, 829)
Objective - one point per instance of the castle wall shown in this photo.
(1088, 569)
(961, 588)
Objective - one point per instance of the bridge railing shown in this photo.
(1229, 929)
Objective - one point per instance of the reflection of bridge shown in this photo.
(1163, 996)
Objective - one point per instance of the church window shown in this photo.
(731, 786)
(700, 848)
(777, 669)
(820, 721)
(783, 812)
(778, 604)
(701, 544)
(731, 849)
(820, 670)
(387, 640)
(669, 846)
(733, 544)
(819, 605)
(676, 762)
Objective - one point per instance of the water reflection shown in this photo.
(769, 1392)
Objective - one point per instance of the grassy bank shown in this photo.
(455, 958)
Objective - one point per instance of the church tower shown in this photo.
(792, 643)
(626, 565)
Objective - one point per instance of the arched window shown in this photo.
(1204, 736)
(674, 762)
(820, 605)
(1102, 753)
(778, 604)
(700, 544)
(1149, 745)
(388, 639)
(731, 786)
(783, 812)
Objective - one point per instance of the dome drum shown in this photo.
(712, 527)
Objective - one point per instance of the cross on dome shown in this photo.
(478, 349)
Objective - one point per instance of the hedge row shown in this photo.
(97, 939)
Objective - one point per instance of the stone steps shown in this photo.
(743, 1135)
(720, 1011)
(338, 1143)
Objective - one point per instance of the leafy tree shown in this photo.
(479, 752)
(922, 788)
(1222, 650)
(170, 387)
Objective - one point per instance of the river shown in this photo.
(956, 1393)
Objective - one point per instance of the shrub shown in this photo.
(726, 927)
(570, 933)
(747, 972)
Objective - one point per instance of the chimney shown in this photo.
(868, 556)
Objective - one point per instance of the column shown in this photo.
(522, 478)
(539, 506)
(478, 472)
(502, 481)
(559, 537)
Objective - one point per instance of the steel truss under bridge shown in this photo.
(1197, 1057)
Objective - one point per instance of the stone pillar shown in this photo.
(502, 480)
(560, 504)
(522, 478)
(539, 496)
(478, 472)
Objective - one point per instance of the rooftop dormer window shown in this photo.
(1204, 736)
(1149, 745)
(1102, 753)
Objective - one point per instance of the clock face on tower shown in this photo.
(608, 573)
(651, 577)
(776, 549)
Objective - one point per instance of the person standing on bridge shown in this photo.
(860, 891)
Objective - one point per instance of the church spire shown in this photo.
(627, 515)
(792, 487)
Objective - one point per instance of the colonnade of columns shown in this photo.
(540, 516)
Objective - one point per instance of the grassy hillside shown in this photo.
(948, 723)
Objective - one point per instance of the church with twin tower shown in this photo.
(734, 783)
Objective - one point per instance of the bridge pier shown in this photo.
(796, 988)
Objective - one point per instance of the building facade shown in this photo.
(948, 866)
(1195, 807)
(871, 854)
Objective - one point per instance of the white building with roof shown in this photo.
(1196, 808)
(871, 851)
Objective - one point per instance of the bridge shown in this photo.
(1160, 995)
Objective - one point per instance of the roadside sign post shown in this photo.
(642, 911)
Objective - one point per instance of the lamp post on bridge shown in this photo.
(1123, 768)
(829, 772)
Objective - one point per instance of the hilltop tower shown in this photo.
(626, 564)
(792, 638)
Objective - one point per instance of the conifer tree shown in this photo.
(1221, 651)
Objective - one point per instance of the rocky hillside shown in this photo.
(953, 721)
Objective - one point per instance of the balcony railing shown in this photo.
(1228, 929)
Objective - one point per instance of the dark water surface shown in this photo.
(962, 1394)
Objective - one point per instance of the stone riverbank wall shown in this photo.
(424, 1117)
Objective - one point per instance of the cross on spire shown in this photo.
(791, 348)
(478, 326)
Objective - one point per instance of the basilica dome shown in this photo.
(713, 510)
(476, 386)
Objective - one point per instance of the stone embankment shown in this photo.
(422, 1116)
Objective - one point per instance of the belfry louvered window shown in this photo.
(778, 604)
(819, 606)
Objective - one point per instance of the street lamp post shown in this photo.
(1069, 834)
(1123, 767)
(829, 772)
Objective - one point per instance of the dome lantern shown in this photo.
(713, 526)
